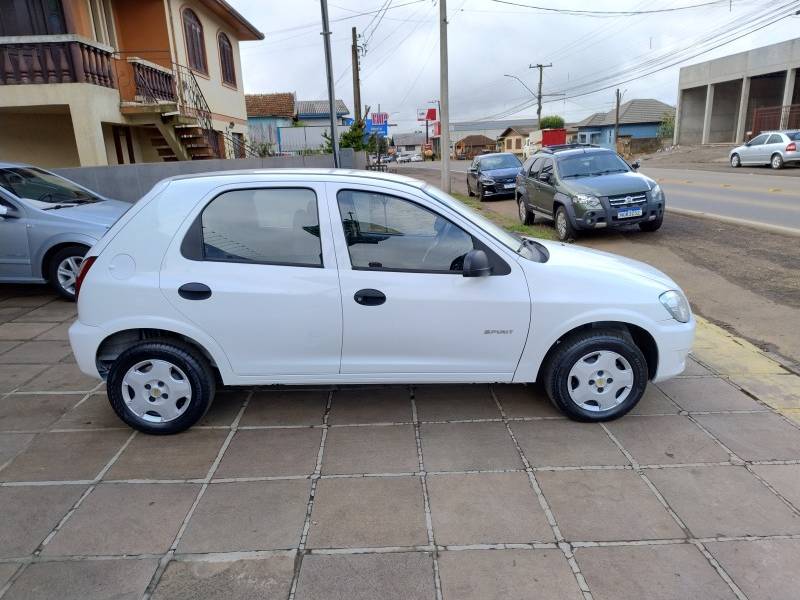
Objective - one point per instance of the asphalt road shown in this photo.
(742, 278)
(753, 198)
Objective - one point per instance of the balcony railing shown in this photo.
(153, 82)
(28, 60)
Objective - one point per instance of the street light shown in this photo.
(522, 82)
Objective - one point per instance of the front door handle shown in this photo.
(369, 297)
(194, 291)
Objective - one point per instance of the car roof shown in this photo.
(284, 173)
(9, 165)
(480, 156)
(571, 150)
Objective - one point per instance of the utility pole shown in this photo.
(356, 76)
(326, 36)
(541, 68)
(444, 103)
(616, 123)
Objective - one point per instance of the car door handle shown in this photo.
(369, 297)
(194, 291)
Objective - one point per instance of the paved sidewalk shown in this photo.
(433, 492)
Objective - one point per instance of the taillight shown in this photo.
(791, 147)
(85, 266)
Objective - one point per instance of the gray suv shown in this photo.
(583, 187)
(773, 148)
(47, 223)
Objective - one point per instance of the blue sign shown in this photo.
(370, 127)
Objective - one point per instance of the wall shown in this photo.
(42, 139)
(131, 182)
(725, 112)
(690, 123)
(78, 18)
(265, 129)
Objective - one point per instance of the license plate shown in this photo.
(510, 186)
(627, 213)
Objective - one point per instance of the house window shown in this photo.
(103, 21)
(31, 17)
(195, 44)
(519, 143)
(226, 59)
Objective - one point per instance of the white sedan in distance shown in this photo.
(352, 277)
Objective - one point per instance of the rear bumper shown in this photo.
(674, 341)
(85, 340)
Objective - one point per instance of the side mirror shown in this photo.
(476, 264)
(635, 165)
(7, 213)
(473, 169)
(545, 177)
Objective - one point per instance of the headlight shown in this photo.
(487, 180)
(657, 193)
(677, 305)
(587, 201)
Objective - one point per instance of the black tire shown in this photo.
(736, 162)
(566, 231)
(575, 347)
(526, 217)
(776, 161)
(481, 197)
(470, 193)
(198, 373)
(76, 252)
(652, 225)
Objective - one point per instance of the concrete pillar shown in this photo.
(677, 125)
(741, 122)
(88, 137)
(707, 114)
(788, 94)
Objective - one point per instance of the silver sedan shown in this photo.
(47, 223)
(774, 148)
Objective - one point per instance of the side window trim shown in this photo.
(499, 264)
(192, 246)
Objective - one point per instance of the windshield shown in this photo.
(590, 164)
(510, 240)
(43, 188)
(501, 161)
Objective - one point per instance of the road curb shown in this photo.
(735, 221)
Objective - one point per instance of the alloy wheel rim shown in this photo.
(735, 161)
(522, 211)
(67, 272)
(600, 381)
(156, 391)
(776, 162)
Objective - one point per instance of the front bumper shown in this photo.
(612, 216)
(674, 340)
(499, 189)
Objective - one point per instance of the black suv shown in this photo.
(583, 187)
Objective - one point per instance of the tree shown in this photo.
(551, 122)
(377, 144)
(666, 129)
(353, 138)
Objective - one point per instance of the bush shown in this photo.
(551, 122)
(666, 128)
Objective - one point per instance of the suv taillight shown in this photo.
(791, 147)
(85, 266)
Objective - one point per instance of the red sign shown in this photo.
(437, 129)
(380, 118)
(426, 114)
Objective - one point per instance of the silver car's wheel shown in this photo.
(600, 381)
(777, 161)
(156, 391)
(67, 273)
(736, 162)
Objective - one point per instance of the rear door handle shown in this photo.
(369, 297)
(194, 291)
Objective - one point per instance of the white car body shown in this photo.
(277, 324)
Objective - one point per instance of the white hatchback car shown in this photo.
(353, 277)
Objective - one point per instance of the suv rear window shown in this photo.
(278, 226)
(794, 136)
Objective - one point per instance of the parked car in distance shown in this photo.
(492, 175)
(403, 158)
(416, 158)
(315, 277)
(47, 223)
(773, 148)
(582, 187)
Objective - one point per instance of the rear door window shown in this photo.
(775, 139)
(278, 226)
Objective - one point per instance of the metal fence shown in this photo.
(769, 118)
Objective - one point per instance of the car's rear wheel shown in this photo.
(736, 162)
(776, 162)
(160, 387)
(653, 225)
(63, 268)
(564, 228)
(526, 217)
(597, 375)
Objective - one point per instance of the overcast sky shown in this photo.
(487, 39)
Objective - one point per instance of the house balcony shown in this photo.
(46, 59)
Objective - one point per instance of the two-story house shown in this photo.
(96, 82)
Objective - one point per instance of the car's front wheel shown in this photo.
(160, 387)
(736, 162)
(63, 268)
(470, 193)
(481, 196)
(777, 161)
(596, 375)
(526, 217)
(564, 228)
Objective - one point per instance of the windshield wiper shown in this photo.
(57, 206)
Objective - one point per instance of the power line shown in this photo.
(608, 13)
